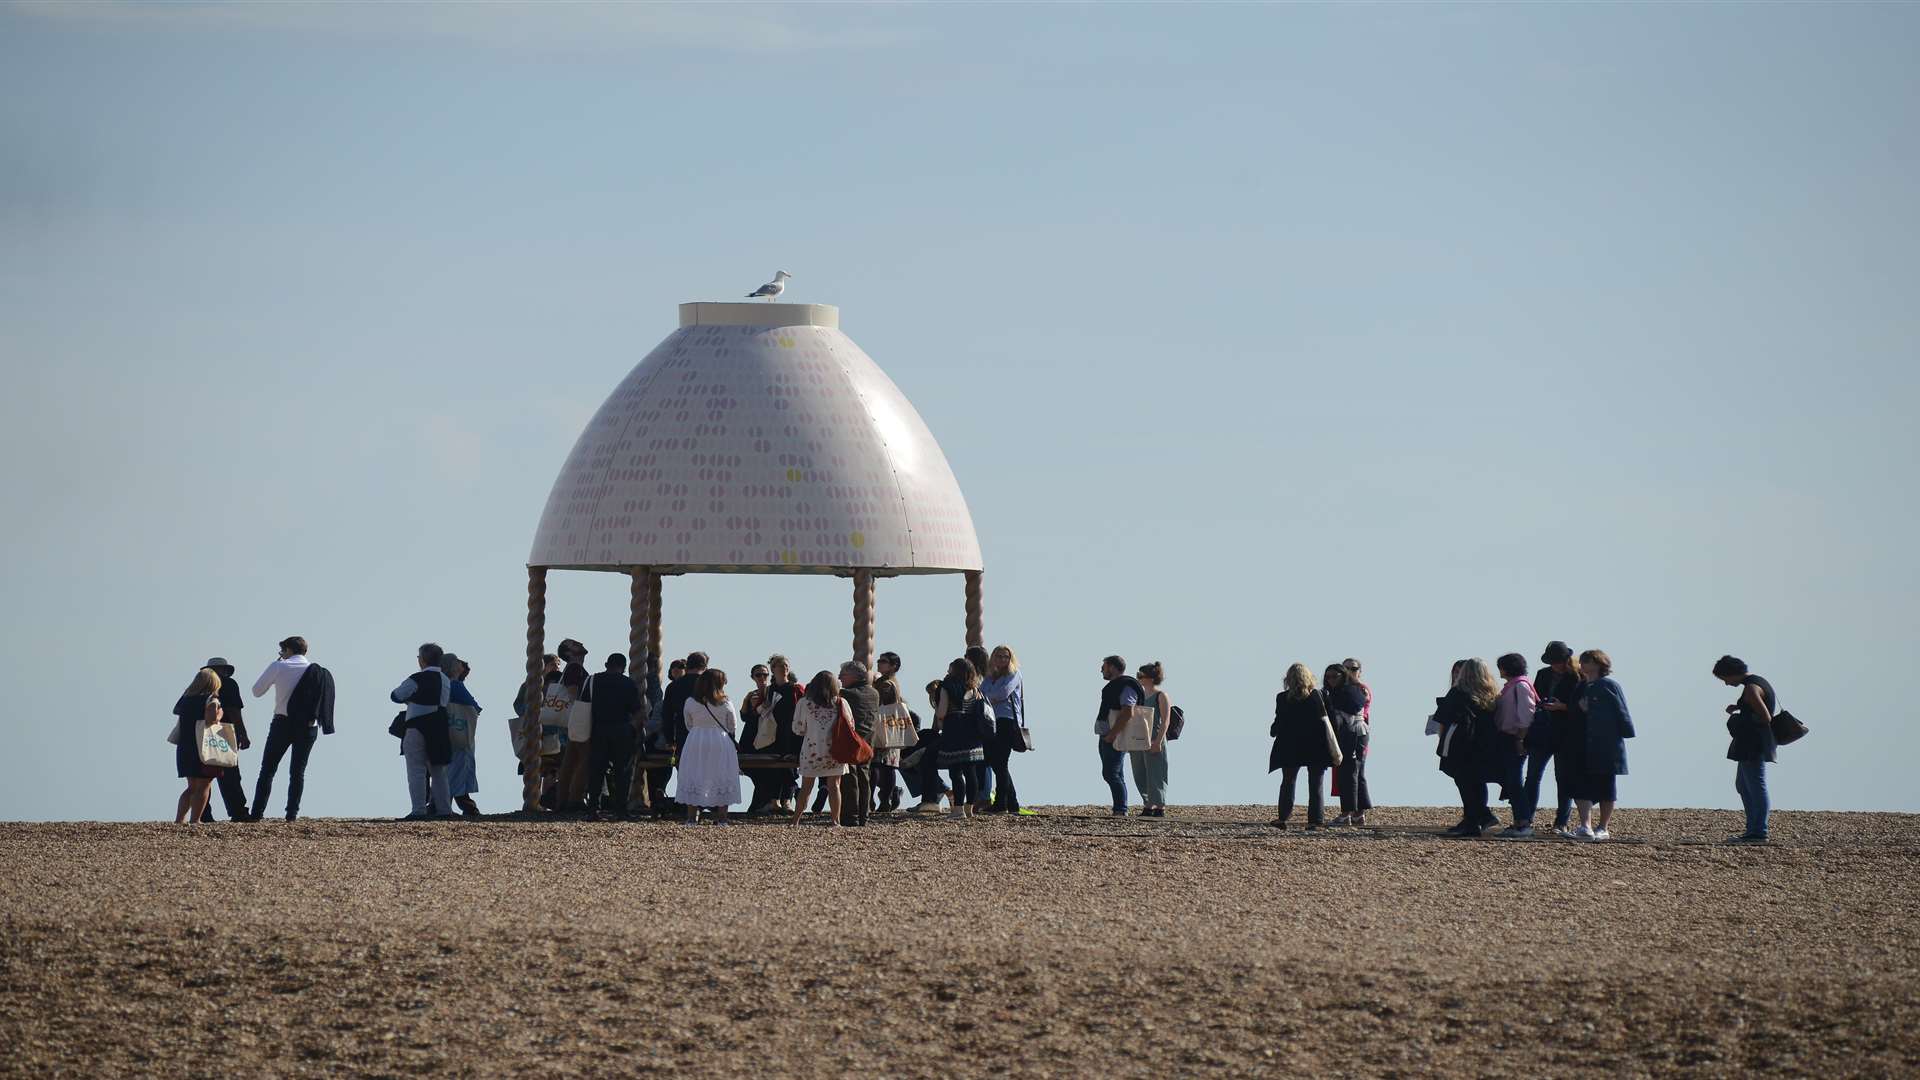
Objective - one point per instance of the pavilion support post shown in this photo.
(863, 617)
(976, 612)
(640, 623)
(653, 624)
(530, 720)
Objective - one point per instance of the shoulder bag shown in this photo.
(215, 741)
(1139, 728)
(1787, 728)
(895, 729)
(580, 717)
(1333, 741)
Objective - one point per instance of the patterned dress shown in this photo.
(815, 725)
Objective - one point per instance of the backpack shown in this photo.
(1176, 722)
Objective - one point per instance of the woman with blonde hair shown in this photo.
(1302, 739)
(200, 703)
(1008, 696)
(1469, 742)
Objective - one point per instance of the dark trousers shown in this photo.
(233, 792)
(1316, 792)
(886, 787)
(1529, 802)
(1473, 801)
(856, 794)
(657, 781)
(284, 735)
(1113, 769)
(999, 759)
(769, 787)
(930, 786)
(1352, 775)
(611, 750)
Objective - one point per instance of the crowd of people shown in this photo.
(611, 745)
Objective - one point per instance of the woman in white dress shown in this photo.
(813, 721)
(709, 772)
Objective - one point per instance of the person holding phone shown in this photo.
(1557, 686)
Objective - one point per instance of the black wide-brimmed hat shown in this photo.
(220, 666)
(1556, 652)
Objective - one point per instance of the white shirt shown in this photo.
(283, 676)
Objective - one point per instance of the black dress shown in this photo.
(191, 709)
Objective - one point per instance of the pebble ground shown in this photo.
(1066, 945)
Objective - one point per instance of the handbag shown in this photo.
(895, 730)
(1176, 722)
(1333, 741)
(460, 720)
(398, 729)
(1138, 731)
(580, 717)
(847, 747)
(1787, 728)
(768, 729)
(216, 745)
(174, 735)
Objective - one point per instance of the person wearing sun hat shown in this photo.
(233, 790)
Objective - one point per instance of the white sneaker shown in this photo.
(1600, 834)
(1581, 832)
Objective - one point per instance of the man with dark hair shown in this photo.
(886, 763)
(856, 784)
(671, 731)
(425, 741)
(282, 676)
(618, 712)
(1117, 699)
(1750, 723)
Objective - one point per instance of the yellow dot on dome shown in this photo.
(793, 476)
(858, 540)
(785, 342)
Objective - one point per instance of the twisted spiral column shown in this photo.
(976, 612)
(863, 617)
(530, 722)
(639, 624)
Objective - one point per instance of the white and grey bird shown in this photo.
(773, 288)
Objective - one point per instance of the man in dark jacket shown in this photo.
(618, 711)
(233, 791)
(672, 729)
(863, 701)
(1120, 694)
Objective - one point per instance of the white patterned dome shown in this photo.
(757, 437)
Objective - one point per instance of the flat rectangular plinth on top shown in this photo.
(749, 313)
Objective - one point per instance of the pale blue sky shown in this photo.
(1254, 334)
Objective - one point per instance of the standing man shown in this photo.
(1117, 700)
(856, 784)
(671, 731)
(886, 763)
(619, 709)
(1750, 722)
(233, 790)
(426, 743)
(281, 677)
(785, 693)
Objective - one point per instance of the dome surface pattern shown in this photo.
(757, 438)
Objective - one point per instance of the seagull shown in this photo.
(772, 288)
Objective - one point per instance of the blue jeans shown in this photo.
(1750, 780)
(1529, 801)
(1113, 770)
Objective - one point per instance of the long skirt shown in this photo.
(709, 772)
(462, 776)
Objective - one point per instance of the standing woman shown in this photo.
(1150, 765)
(1469, 743)
(958, 719)
(201, 702)
(463, 778)
(1608, 727)
(813, 721)
(1347, 708)
(1750, 722)
(572, 781)
(1008, 696)
(1300, 742)
(1513, 717)
(709, 774)
(982, 661)
(1558, 688)
(886, 763)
